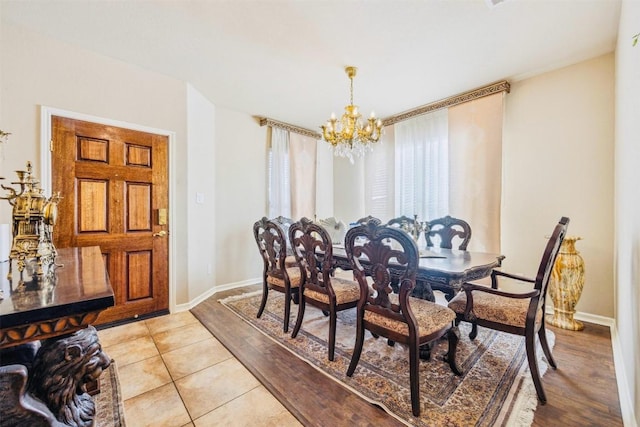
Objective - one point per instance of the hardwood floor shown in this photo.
(581, 392)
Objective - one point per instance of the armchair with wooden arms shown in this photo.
(515, 313)
(373, 250)
(312, 248)
(272, 245)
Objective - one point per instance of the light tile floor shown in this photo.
(173, 372)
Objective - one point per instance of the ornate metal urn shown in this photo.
(33, 217)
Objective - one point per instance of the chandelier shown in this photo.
(348, 136)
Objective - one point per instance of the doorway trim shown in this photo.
(46, 113)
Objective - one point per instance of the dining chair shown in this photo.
(403, 222)
(520, 313)
(447, 229)
(313, 250)
(400, 221)
(373, 250)
(272, 245)
(366, 219)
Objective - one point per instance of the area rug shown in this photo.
(495, 389)
(109, 407)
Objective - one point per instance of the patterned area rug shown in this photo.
(495, 390)
(109, 407)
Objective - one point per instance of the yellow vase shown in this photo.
(565, 286)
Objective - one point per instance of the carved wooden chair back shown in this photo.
(276, 275)
(410, 225)
(447, 229)
(284, 223)
(520, 313)
(377, 253)
(313, 250)
(366, 219)
(400, 221)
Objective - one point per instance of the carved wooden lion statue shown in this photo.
(61, 371)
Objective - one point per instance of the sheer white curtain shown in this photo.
(422, 166)
(279, 187)
(379, 178)
(292, 174)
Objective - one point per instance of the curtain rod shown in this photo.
(502, 86)
(264, 121)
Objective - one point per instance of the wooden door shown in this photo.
(114, 188)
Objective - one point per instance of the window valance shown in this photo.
(264, 121)
(502, 86)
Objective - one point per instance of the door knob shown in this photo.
(160, 233)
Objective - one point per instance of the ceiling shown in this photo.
(285, 59)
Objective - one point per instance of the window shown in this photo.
(447, 162)
(291, 175)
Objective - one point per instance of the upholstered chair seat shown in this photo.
(345, 290)
(495, 308)
(429, 317)
(294, 278)
(290, 261)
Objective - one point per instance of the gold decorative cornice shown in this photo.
(491, 89)
(264, 121)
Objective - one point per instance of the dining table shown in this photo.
(439, 269)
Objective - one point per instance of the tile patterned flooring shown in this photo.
(173, 372)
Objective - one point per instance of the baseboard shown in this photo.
(626, 403)
(213, 291)
(588, 317)
(593, 318)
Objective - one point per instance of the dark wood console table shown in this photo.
(59, 313)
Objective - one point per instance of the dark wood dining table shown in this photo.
(440, 269)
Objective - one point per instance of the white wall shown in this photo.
(240, 192)
(38, 71)
(201, 200)
(627, 215)
(558, 161)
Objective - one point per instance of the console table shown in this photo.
(50, 389)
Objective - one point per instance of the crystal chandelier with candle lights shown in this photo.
(349, 137)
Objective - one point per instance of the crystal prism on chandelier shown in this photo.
(349, 137)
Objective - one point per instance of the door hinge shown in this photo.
(51, 145)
